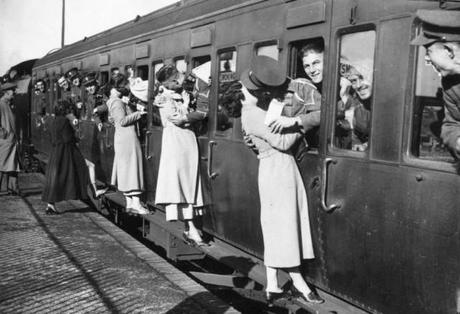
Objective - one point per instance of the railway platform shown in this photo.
(80, 262)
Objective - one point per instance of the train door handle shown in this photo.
(147, 145)
(211, 175)
(325, 207)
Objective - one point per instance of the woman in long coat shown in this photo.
(8, 141)
(66, 173)
(284, 206)
(127, 171)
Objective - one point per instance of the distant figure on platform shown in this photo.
(66, 172)
(441, 38)
(9, 165)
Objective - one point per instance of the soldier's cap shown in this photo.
(8, 86)
(264, 72)
(90, 79)
(437, 26)
(72, 74)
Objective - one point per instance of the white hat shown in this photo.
(139, 88)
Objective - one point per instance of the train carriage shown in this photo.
(384, 219)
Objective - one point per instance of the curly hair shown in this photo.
(231, 97)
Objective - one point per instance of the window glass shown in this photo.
(104, 77)
(268, 50)
(143, 72)
(201, 70)
(353, 118)
(307, 70)
(227, 74)
(428, 113)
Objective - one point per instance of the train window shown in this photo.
(201, 69)
(268, 50)
(181, 65)
(104, 77)
(353, 115)
(227, 74)
(428, 113)
(143, 72)
(306, 69)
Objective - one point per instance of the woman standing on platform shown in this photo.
(284, 206)
(66, 173)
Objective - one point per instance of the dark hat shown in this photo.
(90, 79)
(264, 72)
(72, 73)
(166, 72)
(437, 25)
(8, 86)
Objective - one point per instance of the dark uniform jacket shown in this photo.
(450, 130)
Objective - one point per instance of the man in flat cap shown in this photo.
(76, 97)
(9, 165)
(440, 35)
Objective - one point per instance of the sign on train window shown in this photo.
(428, 113)
(306, 67)
(268, 50)
(354, 106)
(227, 74)
(201, 75)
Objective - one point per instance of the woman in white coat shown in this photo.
(284, 206)
(127, 171)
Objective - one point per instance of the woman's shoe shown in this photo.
(140, 210)
(191, 241)
(100, 192)
(311, 297)
(271, 297)
(51, 211)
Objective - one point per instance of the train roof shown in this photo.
(182, 11)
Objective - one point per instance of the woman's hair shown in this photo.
(231, 98)
(63, 108)
(316, 46)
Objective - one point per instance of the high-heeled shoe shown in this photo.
(193, 242)
(271, 297)
(311, 297)
(51, 211)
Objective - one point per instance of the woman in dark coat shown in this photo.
(66, 173)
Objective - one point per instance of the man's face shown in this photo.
(9, 94)
(441, 57)
(362, 87)
(313, 65)
(76, 81)
(91, 89)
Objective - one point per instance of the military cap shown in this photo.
(264, 72)
(165, 72)
(437, 25)
(8, 86)
(90, 79)
(72, 73)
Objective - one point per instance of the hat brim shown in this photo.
(246, 81)
(422, 40)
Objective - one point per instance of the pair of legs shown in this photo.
(185, 212)
(133, 203)
(10, 179)
(92, 178)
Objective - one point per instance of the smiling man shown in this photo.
(440, 35)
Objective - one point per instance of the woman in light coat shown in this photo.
(127, 171)
(284, 206)
(9, 165)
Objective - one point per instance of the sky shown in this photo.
(30, 29)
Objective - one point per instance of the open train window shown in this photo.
(306, 68)
(104, 77)
(142, 71)
(428, 113)
(354, 106)
(201, 70)
(227, 74)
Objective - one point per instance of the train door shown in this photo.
(231, 166)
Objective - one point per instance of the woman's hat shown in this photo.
(264, 72)
(166, 72)
(139, 88)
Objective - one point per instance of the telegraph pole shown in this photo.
(63, 23)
